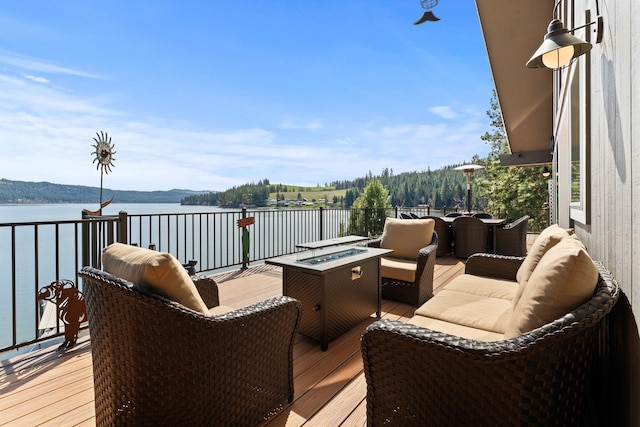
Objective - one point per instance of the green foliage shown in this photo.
(510, 192)
(244, 195)
(375, 197)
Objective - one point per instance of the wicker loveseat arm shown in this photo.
(156, 362)
(493, 266)
(208, 290)
(418, 376)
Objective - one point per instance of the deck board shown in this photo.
(46, 387)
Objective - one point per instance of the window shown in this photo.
(580, 135)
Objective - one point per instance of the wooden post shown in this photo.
(243, 223)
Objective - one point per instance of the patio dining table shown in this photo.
(492, 223)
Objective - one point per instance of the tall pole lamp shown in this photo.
(468, 171)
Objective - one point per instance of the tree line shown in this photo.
(439, 188)
(24, 192)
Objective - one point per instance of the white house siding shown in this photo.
(612, 233)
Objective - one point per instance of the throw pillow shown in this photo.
(548, 238)
(406, 236)
(157, 272)
(564, 279)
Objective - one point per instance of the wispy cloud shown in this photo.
(36, 78)
(42, 66)
(444, 111)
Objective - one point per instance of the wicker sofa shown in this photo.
(165, 352)
(439, 368)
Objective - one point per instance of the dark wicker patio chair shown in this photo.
(420, 290)
(470, 236)
(156, 362)
(546, 377)
(512, 238)
(405, 216)
(445, 235)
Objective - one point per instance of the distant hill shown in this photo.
(46, 192)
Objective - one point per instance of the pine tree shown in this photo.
(510, 192)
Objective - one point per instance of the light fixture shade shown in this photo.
(558, 48)
(426, 16)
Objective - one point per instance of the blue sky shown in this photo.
(206, 95)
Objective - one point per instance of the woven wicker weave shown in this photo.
(512, 238)
(156, 362)
(546, 377)
(417, 292)
(470, 236)
(445, 235)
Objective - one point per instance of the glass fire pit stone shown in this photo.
(328, 254)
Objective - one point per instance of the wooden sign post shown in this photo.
(244, 223)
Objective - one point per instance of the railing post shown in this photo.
(85, 242)
(321, 222)
(122, 227)
(244, 244)
(395, 211)
(367, 215)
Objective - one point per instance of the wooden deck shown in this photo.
(46, 387)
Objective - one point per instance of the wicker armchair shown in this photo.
(551, 376)
(156, 362)
(445, 236)
(470, 236)
(512, 238)
(417, 292)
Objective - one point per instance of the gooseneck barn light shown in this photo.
(560, 46)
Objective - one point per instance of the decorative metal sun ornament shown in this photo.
(104, 159)
(427, 15)
(104, 152)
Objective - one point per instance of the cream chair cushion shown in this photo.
(398, 268)
(564, 279)
(407, 236)
(154, 271)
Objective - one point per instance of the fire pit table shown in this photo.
(338, 285)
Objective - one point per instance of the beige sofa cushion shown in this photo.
(454, 329)
(157, 272)
(399, 269)
(407, 236)
(547, 239)
(484, 286)
(564, 279)
(474, 311)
